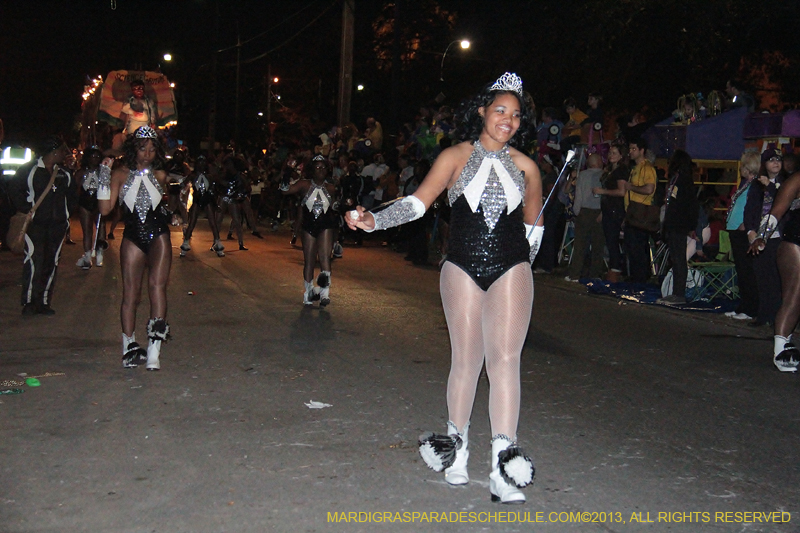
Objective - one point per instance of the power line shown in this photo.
(287, 41)
(287, 19)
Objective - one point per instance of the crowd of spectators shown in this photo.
(616, 173)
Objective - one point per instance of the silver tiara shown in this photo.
(508, 82)
(319, 157)
(145, 132)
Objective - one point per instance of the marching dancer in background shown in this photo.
(89, 213)
(320, 222)
(202, 198)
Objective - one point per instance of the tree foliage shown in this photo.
(637, 53)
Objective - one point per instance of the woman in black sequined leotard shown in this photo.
(785, 208)
(319, 222)
(486, 283)
(485, 248)
(87, 201)
(203, 198)
(138, 184)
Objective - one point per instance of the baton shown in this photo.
(567, 164)
(97, 231)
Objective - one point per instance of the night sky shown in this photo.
(640, 54)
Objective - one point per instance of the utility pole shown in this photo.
(238, 71)
(346, 63)
(269, 101)
(212, 97)
(399, 11)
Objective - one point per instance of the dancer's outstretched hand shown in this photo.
(359, 218)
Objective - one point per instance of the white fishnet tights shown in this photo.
(486, 326)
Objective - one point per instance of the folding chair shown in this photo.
(720, 281)
(567, 242)
(659, 259)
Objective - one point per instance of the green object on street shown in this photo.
(12, 391)
(32, 382)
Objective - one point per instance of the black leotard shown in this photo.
(320, 217)
(143, 230)
(791, 228)
(484, 252)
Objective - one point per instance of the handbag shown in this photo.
(641, 216)
(18, 225)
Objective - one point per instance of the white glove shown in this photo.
(534, 235)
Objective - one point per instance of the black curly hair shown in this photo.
(470, 122)
(132, 145)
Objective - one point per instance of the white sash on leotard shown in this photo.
(474, 191)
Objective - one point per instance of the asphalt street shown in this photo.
(638, 418)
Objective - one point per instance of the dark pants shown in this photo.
(612, 225)
(676, 242)
(768, 281)
(418, 240)
(588, 232)
(551, 238)
(637, 248)
(745, 275)
(42, 250)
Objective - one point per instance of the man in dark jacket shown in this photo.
(49, 225)
(680, 220)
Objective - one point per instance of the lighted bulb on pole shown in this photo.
(464, 43)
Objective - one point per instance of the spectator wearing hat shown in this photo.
(48, 227)
(759, 202)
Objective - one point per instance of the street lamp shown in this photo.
(167, 57)
(464, 45)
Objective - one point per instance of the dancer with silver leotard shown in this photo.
(139, 186)
(486, 282)
(786, 211)
(89, 213)
(319, 223)
(203, 198)
(232, 195)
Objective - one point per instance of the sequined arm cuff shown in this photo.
(408, 209)
(104, 183)
(768, 226)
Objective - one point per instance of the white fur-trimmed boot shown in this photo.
(457, 473)
(133, 355)
(442, 452)
(511, 470)
(308, 293)
(218, 248)
(324, 284)
(157, 332)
